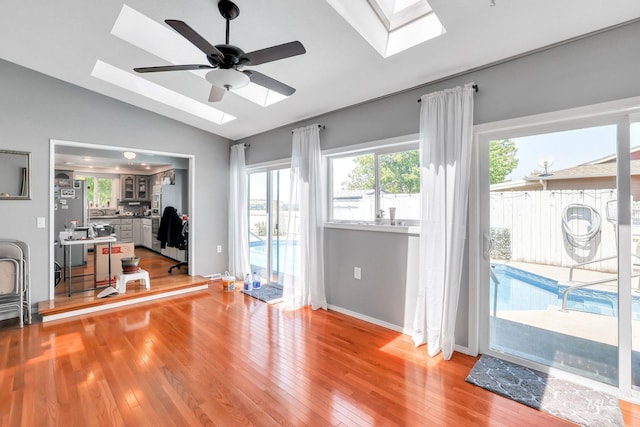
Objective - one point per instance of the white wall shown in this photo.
(592, 70)
(35, 108)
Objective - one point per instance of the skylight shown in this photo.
(160, 40)
(151, 90)
(391, 26)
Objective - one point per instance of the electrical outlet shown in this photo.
(40, 222)
(219, 248)
(357, 273)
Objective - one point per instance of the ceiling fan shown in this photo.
(227, 61)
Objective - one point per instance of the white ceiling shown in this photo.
(65, 38)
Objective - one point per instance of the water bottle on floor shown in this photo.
(248, 283)
(256, 281)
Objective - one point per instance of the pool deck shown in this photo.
(589, 326)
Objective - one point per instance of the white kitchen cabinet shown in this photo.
(147, 233)
(137, 231)
(126, 230)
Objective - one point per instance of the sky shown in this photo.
(568, 148)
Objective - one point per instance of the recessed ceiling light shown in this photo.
(129, 155)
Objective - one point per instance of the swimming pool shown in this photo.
(521, 290)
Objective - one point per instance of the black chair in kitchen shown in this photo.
(184, 247)
(174, 232)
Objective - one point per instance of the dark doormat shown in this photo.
(271, 294)
(558, 397)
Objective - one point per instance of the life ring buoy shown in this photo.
(579, 211)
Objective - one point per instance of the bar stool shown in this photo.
(123, 278)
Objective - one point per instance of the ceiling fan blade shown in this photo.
(172, 68)
(216, 94)
(269, 83)
(275, 53)
(196, 39)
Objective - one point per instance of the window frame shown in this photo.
(115, 187)
(377, 148)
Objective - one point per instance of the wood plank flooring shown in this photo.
(225, 359)
(161, 282)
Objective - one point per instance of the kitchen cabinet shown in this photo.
(174, 253)
(134, 187)
(115, 223)
(126, 230)
(123, 229)
(142, 188)
(137, 231)
(128, 187)
(147, 233)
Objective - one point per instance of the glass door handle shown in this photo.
(487, 244)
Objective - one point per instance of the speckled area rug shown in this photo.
(561, 398)
(271, 294)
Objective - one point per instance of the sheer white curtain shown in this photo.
(446, 132)
(238, 222)
(304, 254)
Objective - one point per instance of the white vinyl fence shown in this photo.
(533, 221)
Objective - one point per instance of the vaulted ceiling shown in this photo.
(67, 38)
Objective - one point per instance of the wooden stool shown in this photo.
(141, 274)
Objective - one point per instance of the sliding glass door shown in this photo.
(560, 230)
(268, 220)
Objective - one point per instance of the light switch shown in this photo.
(40, 222)
(357, 273)
(219, 249)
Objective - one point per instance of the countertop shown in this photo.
(102, 217)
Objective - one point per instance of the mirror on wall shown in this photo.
(15, 175)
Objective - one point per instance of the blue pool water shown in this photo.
(521, 290)
(258, 256)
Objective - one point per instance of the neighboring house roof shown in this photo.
(519, 185)
(634, 152)
(587, 170)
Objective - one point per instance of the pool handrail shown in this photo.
(598, 260)
(565, 294)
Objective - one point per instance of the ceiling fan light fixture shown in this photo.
(227, 78)
(129, 155)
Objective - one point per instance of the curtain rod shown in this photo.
(475, 87)
(245, 145)
(320, 126)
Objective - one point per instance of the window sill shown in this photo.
(365, 226)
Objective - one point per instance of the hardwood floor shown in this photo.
(162, 282)
(226, 359)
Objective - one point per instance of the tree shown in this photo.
(502, 159)
(399, 173)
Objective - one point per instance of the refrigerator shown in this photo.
(170, 196)
(70, 204)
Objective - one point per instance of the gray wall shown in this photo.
(600, 68)
(35, 108)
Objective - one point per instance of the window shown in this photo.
(101, 192)
(367, 183)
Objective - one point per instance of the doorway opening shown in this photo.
(98, 165)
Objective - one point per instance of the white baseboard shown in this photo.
(370, 319)
(123, 303)
(214, 276)
(402, 330)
